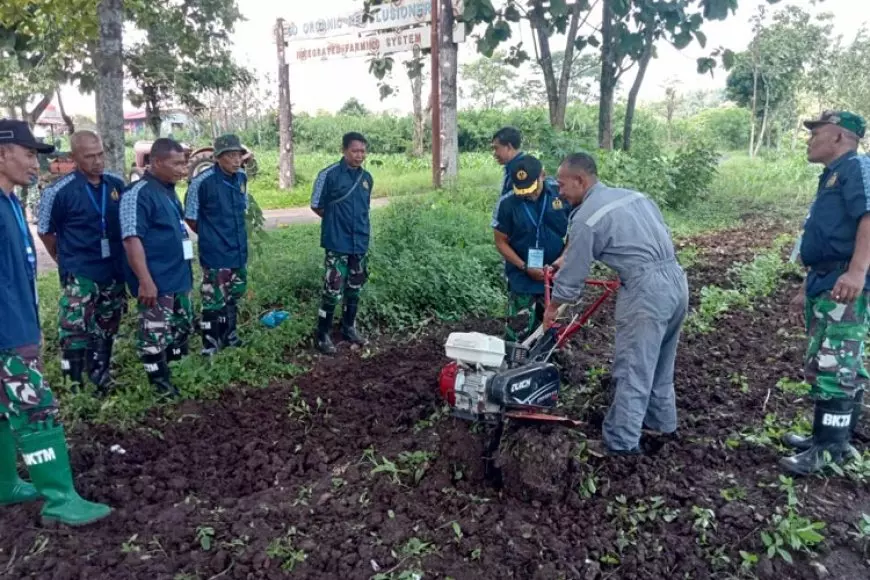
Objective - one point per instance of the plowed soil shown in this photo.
(354, 470)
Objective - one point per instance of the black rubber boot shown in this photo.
(230, 332)
(832, 430)
(72, 366)
(178, 349)
(324, 329)
(100, 365)
(157, 368)
(348, 323)
(802, 443)
(210, 327)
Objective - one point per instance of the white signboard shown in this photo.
(372, 45)
(361, 46)
(398, 14)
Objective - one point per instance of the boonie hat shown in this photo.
(845, 119)
(525, 175)
(226, 144)
(15, 132)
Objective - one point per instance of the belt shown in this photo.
(644, 268)
(828, 267)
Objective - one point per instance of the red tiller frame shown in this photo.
(564, 334)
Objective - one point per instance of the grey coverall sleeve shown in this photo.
(579, 254)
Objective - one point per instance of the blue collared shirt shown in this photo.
(218, 202)
(344, 194)
(518, 218)
(19, 314)
(75, 211)
(150, 210)
(831, 228)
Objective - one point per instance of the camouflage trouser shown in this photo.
(88, 310)
(346, 274)
(525, 313)
(171, 320)
(223, 286)
(25, 399)
(834, 361)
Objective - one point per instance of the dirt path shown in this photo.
(274, 218)
(264, 482)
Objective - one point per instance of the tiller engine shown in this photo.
(491, 380)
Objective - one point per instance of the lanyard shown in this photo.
(25, 235)
(100, 208)
(177, 214)
(537, 224)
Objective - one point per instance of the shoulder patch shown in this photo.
(60, 183)
(46, 201)
(130, 210)
(197, 181)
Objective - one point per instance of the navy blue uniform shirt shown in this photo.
(81, 215)
(217, 202)
(19, 316)
(831, 228)
(344, 194)
(150, 210)
(518, 218)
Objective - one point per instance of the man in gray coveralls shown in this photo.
(625, 230)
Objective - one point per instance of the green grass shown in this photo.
(777, 187)
(394, 175)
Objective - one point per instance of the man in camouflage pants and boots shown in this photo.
(835, 246)
(79, 225)
(159, 252)
(215, 207)
(342, 197)
(29, 420)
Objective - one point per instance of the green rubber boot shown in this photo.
(13, 489)
(47, 457)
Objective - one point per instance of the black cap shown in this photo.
(15, 132)
(525, 174)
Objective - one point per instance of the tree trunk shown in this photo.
(152, 116)
(66, 118)
(286, 174)
(545, 61)
(449, 97)
(635, 89)
(754, 118)
(608, 79)
(763, 121)
(416, 76)
(33, 116)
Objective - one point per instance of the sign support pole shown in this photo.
(436, 96)
(286, 172)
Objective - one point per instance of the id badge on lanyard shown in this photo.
(105, 247)
(29, 252)
(535, 259)
(186, 243)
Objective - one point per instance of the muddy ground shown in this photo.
(353, 470)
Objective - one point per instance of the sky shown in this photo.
(326, 85)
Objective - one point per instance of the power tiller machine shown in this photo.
(491, 380)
